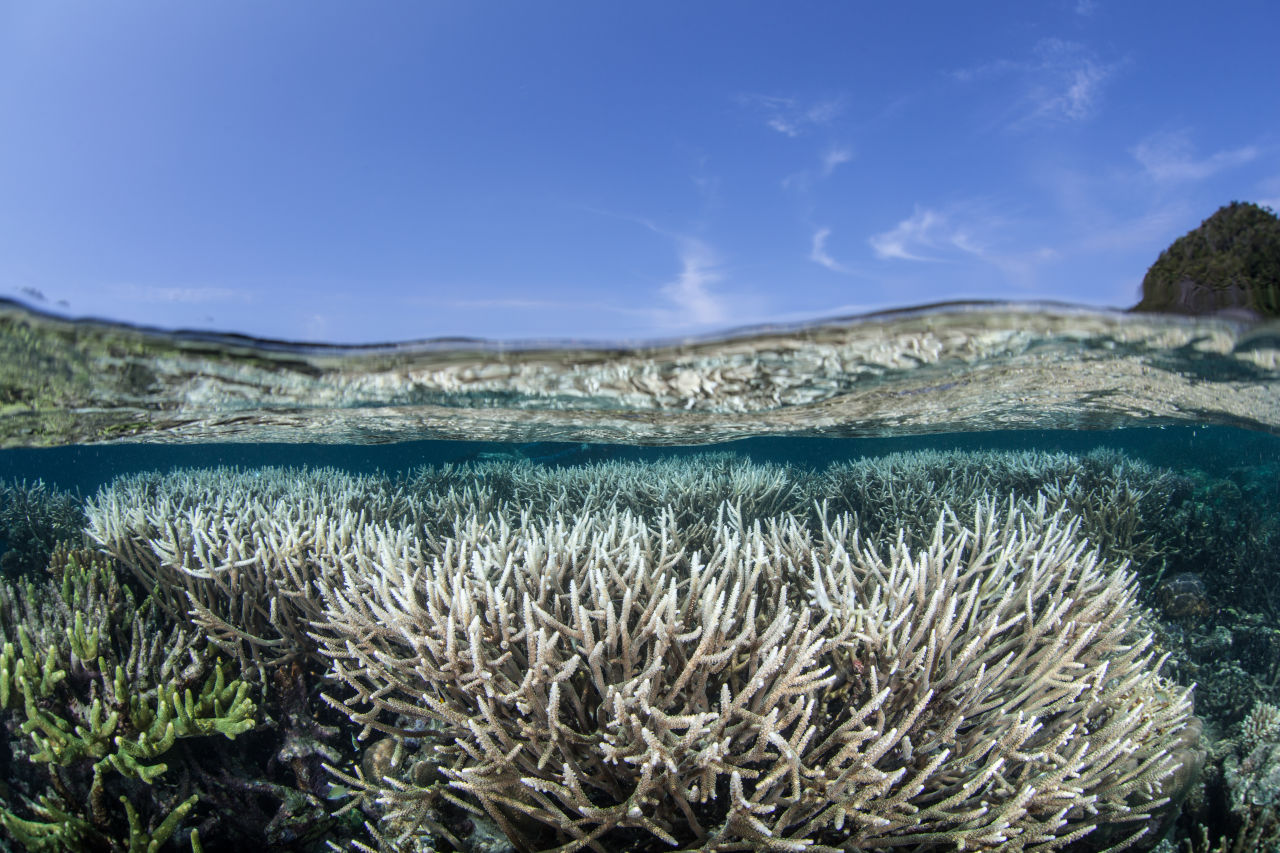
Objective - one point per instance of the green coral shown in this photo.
(100, 689)
(59, 830)
(220, 708)
(142, 840)
(54, 829)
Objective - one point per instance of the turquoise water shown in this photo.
(204, 537)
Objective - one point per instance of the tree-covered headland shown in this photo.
(1231, 262)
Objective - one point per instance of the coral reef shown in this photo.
(1247, 790)
(122, 728)
(95, 707)
(722, 654)
(602, 686)
(33, 519)
(1184, 597)
(1118, 500)
(236, 550)
(587, 665)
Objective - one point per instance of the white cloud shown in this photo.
(689, 291)
(1061, 82)
(692, 301)
(1269, 192)
(792, 116)
(914, 238)
(965, 231)
(1077, 100)
(819, 255)
(1069, 83)
(834, 157)
(831, 159)
(1170, 158)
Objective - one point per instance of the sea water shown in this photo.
(1196, 400)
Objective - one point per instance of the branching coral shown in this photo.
(689, 489)
(99, 702)
(723, 657)
(782, 692)
(1119, 501)
(237, 551)
(34, 518)
(234, 551)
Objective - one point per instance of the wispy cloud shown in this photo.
(1170, 158)
(965, 231)
(691, 299)
(830, 160)
(793, 116)
(833, 157)
(1068, 82)
(1062, 81)
(916, 238)
(690, 291)
(819, 255)
(1269, 193)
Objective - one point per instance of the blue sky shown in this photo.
(355, 172)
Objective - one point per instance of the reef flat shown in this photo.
(947, 368)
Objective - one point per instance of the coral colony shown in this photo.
(923, 652)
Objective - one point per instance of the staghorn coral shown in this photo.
(33, 520)
(95, 707)
(237, 550)
(234, 550)
(604, 686)
(689, 489)
(290, 569)
(1118, 500)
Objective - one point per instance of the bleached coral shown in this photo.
(786, 691)
(607, 656)
(1260, 726)
(1118, 500)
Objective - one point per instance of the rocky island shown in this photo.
(1230, 263)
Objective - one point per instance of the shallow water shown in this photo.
(949, 368)
(1171, 425)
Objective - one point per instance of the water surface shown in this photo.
(949, 368)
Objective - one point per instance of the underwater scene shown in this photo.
(967, 577)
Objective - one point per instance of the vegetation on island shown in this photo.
(1230, 262)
